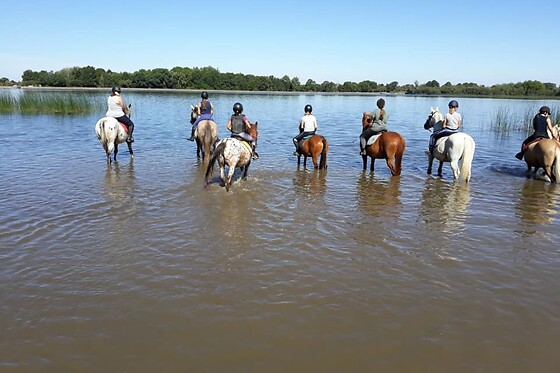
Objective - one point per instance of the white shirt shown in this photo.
(114, 108)
(309, 123)
(452, 120)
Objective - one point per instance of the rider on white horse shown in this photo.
(238, 125)
(116, 108)
(450, 125)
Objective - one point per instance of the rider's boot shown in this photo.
(192, 134)
(255, 154)
(130, 130)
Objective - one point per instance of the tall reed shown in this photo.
(49, 103)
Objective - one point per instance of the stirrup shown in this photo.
(130, 139)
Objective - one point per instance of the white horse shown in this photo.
(232, 153)
(452, 148)
(111, 133)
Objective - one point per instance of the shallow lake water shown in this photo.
(137, 267)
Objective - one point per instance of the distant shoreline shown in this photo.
(277, 93)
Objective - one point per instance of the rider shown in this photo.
(238, 125)
(205, 110)
(451, 124)
(541, 123)
(307, 126)
(379, 124)
(117, 108)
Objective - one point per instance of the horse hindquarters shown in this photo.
(468, 155)
(556, 165)
(324, 152)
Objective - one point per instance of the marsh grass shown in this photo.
(506, 120)
(49, 103)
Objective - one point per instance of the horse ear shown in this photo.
(256, 124)
(431, 109)
(437, 108)
(192, 107)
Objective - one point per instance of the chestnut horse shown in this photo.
(206, 135)
(232, 152)
(545, 153)
(111, 133)
(389, 146)
(314, 147)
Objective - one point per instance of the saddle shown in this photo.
(244, 142)
(300, 143)
(372, 139)
(125, 128)
(526, 146)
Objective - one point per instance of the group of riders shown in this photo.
(239, 125)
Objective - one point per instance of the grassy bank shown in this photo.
(506, 120)
(47, 103)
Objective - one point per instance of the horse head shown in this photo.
(367, 119)
(254, 131)
(194, 114)
(128, 110)
(433, 118)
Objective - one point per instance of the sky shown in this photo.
(485, 42)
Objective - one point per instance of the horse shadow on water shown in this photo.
(379, 198)
(537, 202)
(444, 206)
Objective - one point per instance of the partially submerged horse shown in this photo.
(453, 148)
(232, 152)
(314, 146)
(545, 153)
(111, 133)
(206, 135)
(388, 145)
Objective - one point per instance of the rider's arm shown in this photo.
(211, 109)
(228, 126)
(247, 123)
(198, 109)
(121, 103)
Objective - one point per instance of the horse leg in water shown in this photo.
(245, 170)
(391, 165)
(116, 151)
(454, 167)
(130, 149)
(371, 167)
(231, 171)
(430, 163)
(440, 169)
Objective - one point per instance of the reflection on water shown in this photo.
(379, 198)
(310, 182)
(120, 183)
(537, 202)
(444, 206)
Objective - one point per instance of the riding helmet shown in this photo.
(116, 89)
(308, 108)
(381, 103)
(204, 95)
(237, 108)
(453, 103)
(544, 109)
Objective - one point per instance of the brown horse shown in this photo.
(314, 147)
(545, 153)
(388, 146)
(206, 135)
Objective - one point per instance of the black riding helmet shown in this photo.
(237, 108)
(308, 108)
(453, 103)
(544, 109)
(381, 103)
(204, 95)
(116, 89)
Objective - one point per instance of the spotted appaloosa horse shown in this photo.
(452, 148)
(233, 153)
(389, 145)
(206, 135)
(111, 133)
(314, 147)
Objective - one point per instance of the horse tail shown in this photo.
(556, 164)
(100, 128)
(219, 151)
(468, 155)
(399, 156)
(324, 152)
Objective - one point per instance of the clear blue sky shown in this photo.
(484, 42)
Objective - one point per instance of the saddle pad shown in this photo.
(125, 128)
(372, 139)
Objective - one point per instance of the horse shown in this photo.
(389, 146)
(453, 148)
(233, 153)
(206, 135)
(111, 133)
(314, 147)
(545, 153)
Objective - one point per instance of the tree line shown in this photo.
(211, 78)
